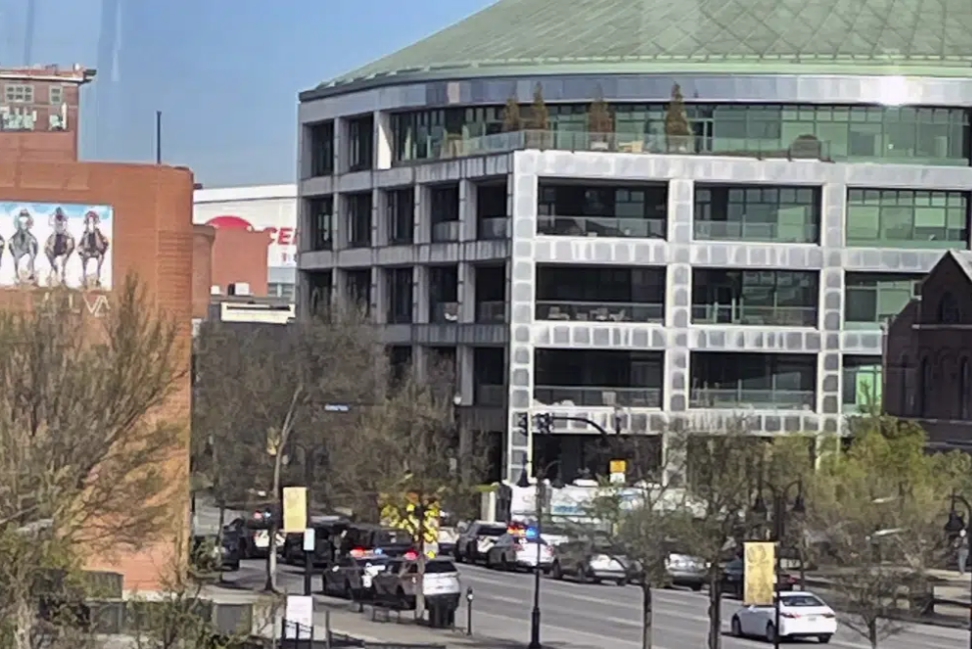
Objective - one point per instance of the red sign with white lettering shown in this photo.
(283, 241)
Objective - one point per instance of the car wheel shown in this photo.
(234, 567)
(582, 575)
(736, 628)
(489, 560)
(770, 633)
(824, 639)
(696, 587)
(556, 572)
(622, 582)
(348, 590)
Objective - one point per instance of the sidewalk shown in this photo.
(404, 629)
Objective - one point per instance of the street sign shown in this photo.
(618, 470)
(299, 617)
(336, 407)
(294, 509)
(759, 572)
(309, 540)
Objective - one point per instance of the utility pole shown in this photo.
(158, 137)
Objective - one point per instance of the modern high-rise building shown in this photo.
(709, 214)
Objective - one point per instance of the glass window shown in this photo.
(55, 95)
(361, 143)
(751, 213)
(862, 383)
(873, 298)
(321, 219)
(907, 218)
(18, 93)
(399, 289)
(401, 215)
(358, 219)
(322, 149)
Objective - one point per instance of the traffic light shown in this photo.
(523, 423)
(544, 422)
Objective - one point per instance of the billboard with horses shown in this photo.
(55, 244)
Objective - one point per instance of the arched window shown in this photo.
(924, 392)
(963, 389)
(948, 309)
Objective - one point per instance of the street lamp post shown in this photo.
(539, 496)
(544, 425)
(955, 525)
(780, 503)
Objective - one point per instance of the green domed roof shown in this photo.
(929, 37)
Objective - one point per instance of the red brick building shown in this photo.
(928, 356)
(39, 109)
(147, 217)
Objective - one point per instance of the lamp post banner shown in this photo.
(759, 573)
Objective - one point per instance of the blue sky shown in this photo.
(225, 73)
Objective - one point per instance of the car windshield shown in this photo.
(364, 562)
(798, 601)
(439, 567)
(392, 537)
(491, 531)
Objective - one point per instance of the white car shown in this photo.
(511, 552)
(802, 615)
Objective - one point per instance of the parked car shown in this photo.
(591, 560)
(686, 570)
(398, 584)
(353, 577)
(476, 540)
(361, 539)
(733, 578)
(802, 615)
(327, 532)
(254, 536)
(512, 552)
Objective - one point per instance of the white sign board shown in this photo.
(309, 539)
(299, 617)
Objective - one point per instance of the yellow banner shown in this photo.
(759, 573)
(294, 509)
(618, 466)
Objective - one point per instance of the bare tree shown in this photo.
(881, 507)
(279, 398)
(643, 514)
(722, 480)
(85, 444)
(227, 455)
(406, 449)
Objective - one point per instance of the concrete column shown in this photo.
(465, 355)
(467, 292)
(423, 219)
(375, 301)
(522, 289)
(831, 306)
(467, 210)
(340, 145)
(379, 218)
(678, 319)
(339, 224)
(383, 140)
(420, 294)
(379, 295)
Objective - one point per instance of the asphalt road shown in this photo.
(583, 616)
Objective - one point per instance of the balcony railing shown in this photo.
(600, 311)
(602, 226)
(768, 232)
(754, 399)
(444, 312)
(593, 396)
(497, 227)
(457, 147)
(445, 231)
(490, 395)
(491, 312)
(782, 316)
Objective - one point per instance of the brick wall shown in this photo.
(241, 256)
(153, 237)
